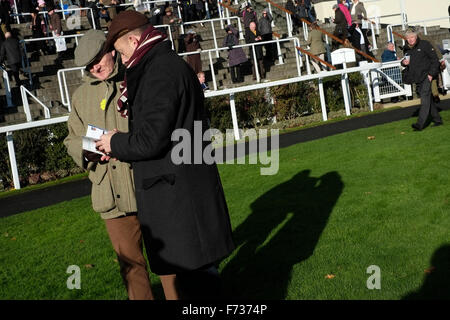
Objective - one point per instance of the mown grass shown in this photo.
(337, 206)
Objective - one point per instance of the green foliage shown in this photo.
(37, 150)
(254, 108)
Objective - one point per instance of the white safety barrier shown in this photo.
(387, 82)
(7, 85)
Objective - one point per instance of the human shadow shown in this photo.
(436, 285)
(283, 229)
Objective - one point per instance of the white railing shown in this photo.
(211, 21)
(63, 89)
(387, 81)
(389, 28)
(252, 45)
(26, 107)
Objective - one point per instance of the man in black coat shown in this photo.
(10, 51)
(359, 40)
(252, 35)
(182, 208)
(422, 65)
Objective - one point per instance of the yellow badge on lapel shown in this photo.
(103, 104)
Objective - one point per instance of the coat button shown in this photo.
(114, 167)
(118, 196)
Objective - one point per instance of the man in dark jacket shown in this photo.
(252, 35)
(422, 66)
(265, 28)
(181, 204)
(359, 40)
(10, 51)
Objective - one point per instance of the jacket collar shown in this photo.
(159, 49)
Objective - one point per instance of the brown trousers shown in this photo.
(126, 238)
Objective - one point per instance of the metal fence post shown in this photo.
(255, 61)
(211, 67)
(215, 38)
(345, 91)
(322, 100)
(234, 117)
(12, 160)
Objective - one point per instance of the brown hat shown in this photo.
(123, 23)
(169, 9)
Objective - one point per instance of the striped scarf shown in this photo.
(149, 38)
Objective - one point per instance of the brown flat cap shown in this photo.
(123, 23)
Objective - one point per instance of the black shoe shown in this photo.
(437, 124)
(416, 127)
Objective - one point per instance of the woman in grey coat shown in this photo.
(236, 56)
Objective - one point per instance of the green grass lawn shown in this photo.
(337, 206)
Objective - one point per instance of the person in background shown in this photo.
(192, 44)
(358, 12)
(340, 29)
(11, 53)
(389, 54)
(265, 29)
(253, 36)
(26, 6)
(37, 32)
(174, 23)
(346, 13)
(359, 40)
(236, 56)
(202, 80)
(248, 15)
(93, 14)
(5, 12)
(316, 40)
(422, 65)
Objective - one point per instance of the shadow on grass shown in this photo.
(436, 285)
(283, 229)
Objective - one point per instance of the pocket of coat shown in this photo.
(150, 182)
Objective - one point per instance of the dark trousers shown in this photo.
(262, 72)
(428, 106)
(15, 72)
(236, 73)
(270, 47)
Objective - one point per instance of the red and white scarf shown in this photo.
(149, 38)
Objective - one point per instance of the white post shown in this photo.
(234, 117)
(366, 76)
(305, 30)
(280, 56)
(228, 15)
(170, 37)
(215, 38)
(241, 34)
(344, 83)
(374, 39)
(26, 106)
(425, 29)
(7, 89)
(289, 24)
(376, 86)
(377, 19)
(12, 160)
(180, 16)
(270, 11)
(69, 108)
(219, 9)
(208, 15)
(211, 67)
(62, 8)
(322, 100)
(255, 61)
(93, 20)
(297, 58)
(17, 12)
(308, 66)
